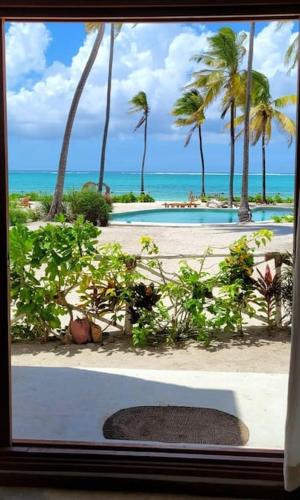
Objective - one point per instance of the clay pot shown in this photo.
(80, 330)
(96, 333)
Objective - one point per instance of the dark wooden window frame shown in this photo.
(217, 471)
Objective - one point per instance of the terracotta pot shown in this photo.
(96, 333)
(80, 330)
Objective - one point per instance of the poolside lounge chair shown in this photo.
(25, 202)
(183, 204)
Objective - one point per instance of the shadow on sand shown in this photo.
(72, 404)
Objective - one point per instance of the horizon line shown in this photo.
(51, 171)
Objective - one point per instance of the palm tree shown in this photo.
(189, 108)
(263, 112)
(59, 188)
(292, 54)
(222, 75)
(139, 104)
(115, 29)
(244, 210)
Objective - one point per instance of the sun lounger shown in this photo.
(25, 202)
(183, 204)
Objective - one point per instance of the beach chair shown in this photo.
(25, 202)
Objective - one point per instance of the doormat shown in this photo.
(176, 424)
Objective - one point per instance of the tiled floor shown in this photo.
(72, 404)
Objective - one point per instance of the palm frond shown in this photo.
(283, 101)
(189, 136)
(93, 26)
(139, 103)
(226, 108)
(182, 122)
(260, 88)
(140, 123)
(286, 124)
(237, 121)
(268, 130)
(118, 27)
(291, 55)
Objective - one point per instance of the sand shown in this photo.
(258, 351)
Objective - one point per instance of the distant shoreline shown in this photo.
(131, 172)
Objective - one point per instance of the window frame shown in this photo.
(208, 470)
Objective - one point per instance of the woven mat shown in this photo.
(176, 424)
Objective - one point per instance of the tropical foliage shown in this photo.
(222, 76)
(61, 271)
(139, 104)
(264, 111)
(190, 112)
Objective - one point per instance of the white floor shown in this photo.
(72, 404)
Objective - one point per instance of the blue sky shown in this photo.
(44, 63)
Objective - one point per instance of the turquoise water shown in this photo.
(161, 186)
(196, 215)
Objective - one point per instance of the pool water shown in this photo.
(197, 215)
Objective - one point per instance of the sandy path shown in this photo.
(258, 352)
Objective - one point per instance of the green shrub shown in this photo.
(287, 284)
(91, 205)
(50, 263)
(283, 218)
(132, 198)
(35, 195)
(14, 197)
(124, 198)
(45, 202)
(145, 198)
(35, 214)
(64, 253)
(18, 215)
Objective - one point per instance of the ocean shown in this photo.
(162, 186)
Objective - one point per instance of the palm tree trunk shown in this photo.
(263, 144)
(107, 115)
(144, 155)
(202, 162)
(232, 153)
(59, 188)
(244, 210)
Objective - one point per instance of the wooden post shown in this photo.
(278, 268)
(127, 322)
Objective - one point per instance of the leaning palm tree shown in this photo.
(263, 112)
(59, 188)
(244, 210)
(139, 104)
(190, 110)
(222, 76)
(115, 29)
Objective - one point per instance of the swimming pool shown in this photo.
(195, 215)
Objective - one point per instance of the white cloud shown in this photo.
(25, 49)
(150, 57)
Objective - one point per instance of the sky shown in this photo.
(44, 64)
